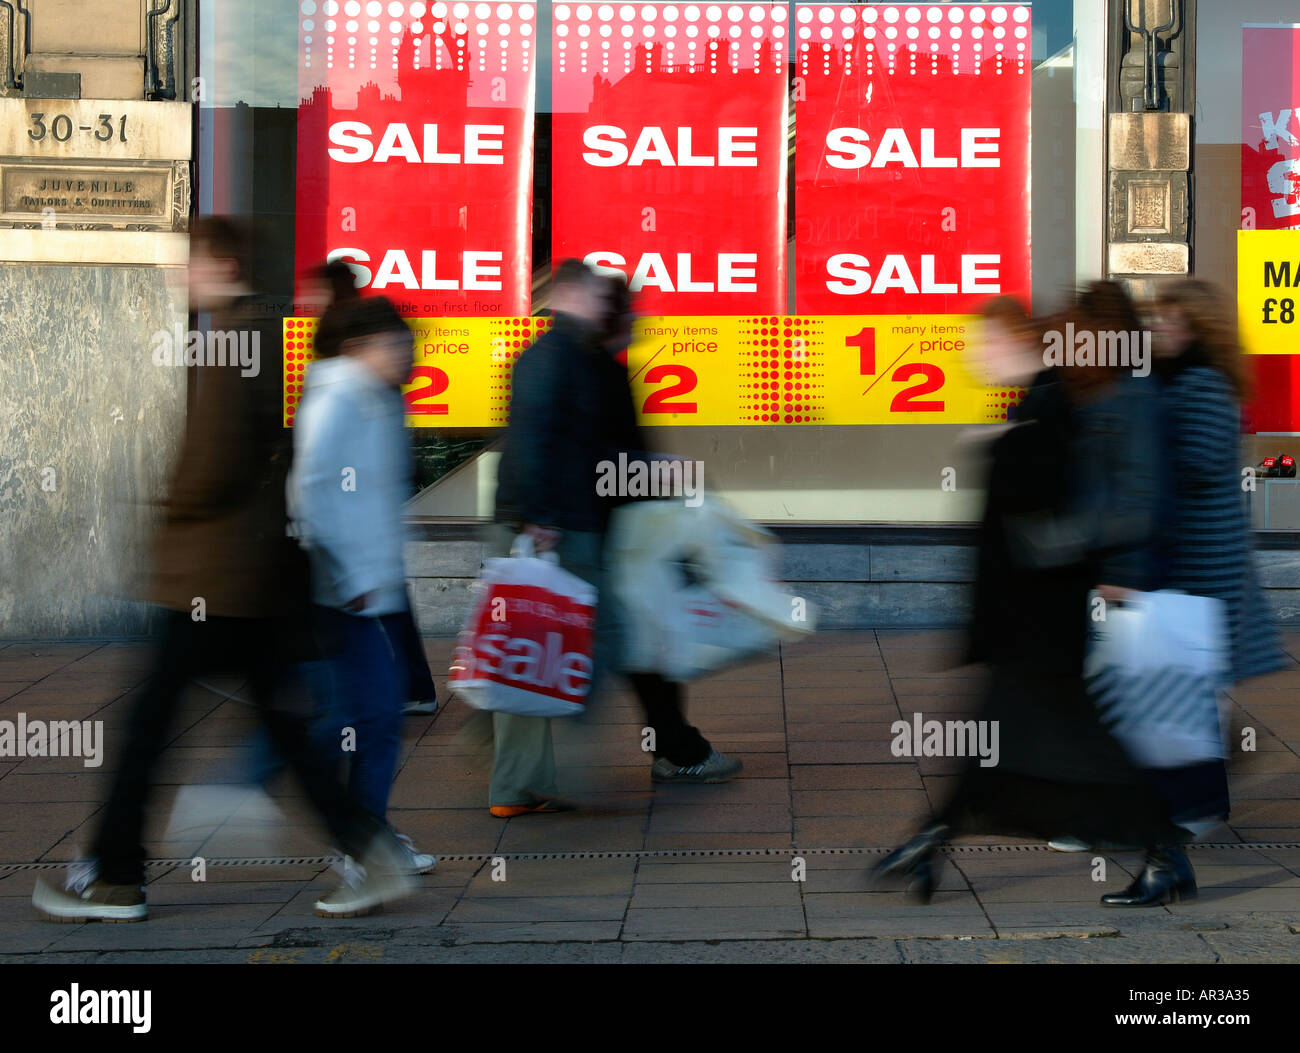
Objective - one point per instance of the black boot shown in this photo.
(1167, 878)
(916, 863)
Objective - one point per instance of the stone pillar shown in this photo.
(1149, 140)
(96, 180)
(97, 49)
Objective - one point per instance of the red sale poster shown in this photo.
(415, 148)
(669, 151)
(1270, 201)
(912, 191)
(1270, 127)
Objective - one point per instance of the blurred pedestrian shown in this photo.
(222, 578)
(338, 282)
(1068, 506)
(571, 408)
(351, 478)
(681, 753)
(1205, 546)
(1109, 401)
(1205, 536)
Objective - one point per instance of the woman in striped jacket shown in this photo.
(1205, 546)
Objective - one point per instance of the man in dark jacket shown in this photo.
(222, 576)
(571, 408)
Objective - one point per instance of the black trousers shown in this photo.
(248, 646)
(664, 709)
(419, 679)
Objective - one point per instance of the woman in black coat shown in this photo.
(1069, 508)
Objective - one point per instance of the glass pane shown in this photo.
(1245, 151)
(810, 473)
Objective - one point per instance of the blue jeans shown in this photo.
(369, 679)
(362, 686)
(316, 678)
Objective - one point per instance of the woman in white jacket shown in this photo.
(351, 476)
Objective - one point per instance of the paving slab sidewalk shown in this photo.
(768, 868)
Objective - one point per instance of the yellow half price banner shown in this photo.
(774, 370)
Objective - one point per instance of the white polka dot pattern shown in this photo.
(480, 37)
(685, 38)
(909, 39)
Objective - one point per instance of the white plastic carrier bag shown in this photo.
(699, 589)
(1154, 666)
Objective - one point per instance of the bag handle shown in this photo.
(525, 548)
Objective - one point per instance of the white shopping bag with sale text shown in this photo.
(527, 646)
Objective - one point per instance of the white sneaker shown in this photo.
(383, 874)
(1068, 844)
(94, 901)
(421, 862)
(352, 872)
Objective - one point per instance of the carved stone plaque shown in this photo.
(130, 195)
(1148, 206)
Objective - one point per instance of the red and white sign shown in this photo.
(1270, 127)
(669, 151)
(415, 149)
(1270, 200)
(912, 157)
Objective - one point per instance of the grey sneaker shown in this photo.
(1068, 844)
(94, 900)
(420, 707)
(383, 874)
(716, 767)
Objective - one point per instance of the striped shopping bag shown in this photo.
(1154, 667)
